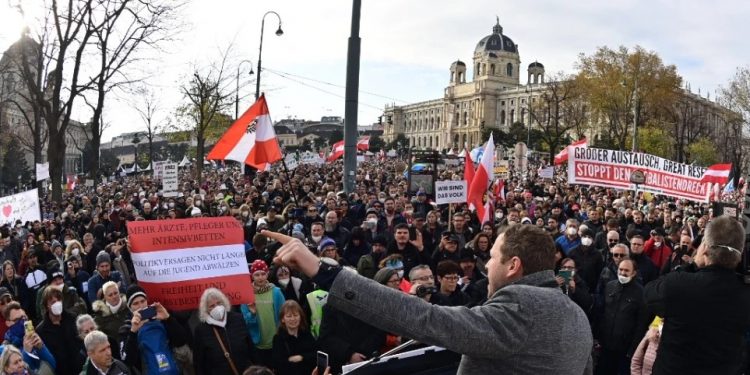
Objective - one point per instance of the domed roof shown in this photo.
(496, 41)
(458, 63)
(536, 64)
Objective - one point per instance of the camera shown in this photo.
(423, 290)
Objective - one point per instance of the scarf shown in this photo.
(263, 289)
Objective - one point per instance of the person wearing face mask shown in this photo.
(588, 260)
(291, 286)
(110, 312)
(221, 345)
(571, 238)
(623, 323)
(58, 331)
(72, 302)
(657, 249)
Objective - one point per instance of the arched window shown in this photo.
(478, 71)
(464, 140)
(430, 142)
(512, 116)
(466, 118)
(509, 69)
(502, 117)
(437, 141)
(523, 115)
(455, 141)
(452, 76)
(492, 69)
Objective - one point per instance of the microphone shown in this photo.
(377, 357)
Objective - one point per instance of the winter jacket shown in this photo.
(108, 322)
(342, 335)
(96, 282)
(286, 345)
(589, 263)
(253, 323)
(644, 356)
(706, 314)
(177, 336)
(660, 255)
(117, 368)
(61, 341)
(625, 318)
(208, 356)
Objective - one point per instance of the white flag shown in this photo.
(42, 171)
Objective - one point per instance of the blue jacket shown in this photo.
(252, 321)
(96, 282)
(33, 359)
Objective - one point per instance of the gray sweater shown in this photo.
(527, 327)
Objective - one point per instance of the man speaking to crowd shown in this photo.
(527, 325)
(706, 313)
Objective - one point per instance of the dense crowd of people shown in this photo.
(71, 302)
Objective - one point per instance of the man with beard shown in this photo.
(367, 265)
(335, 231)
(412, 252)
(391, 218)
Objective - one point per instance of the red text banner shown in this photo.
(612, 169)
(176, 260)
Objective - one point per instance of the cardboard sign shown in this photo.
(159, 170)
(291, 162)
(22, 206)
(548, 173)
(450, 192)
(169, 180)
(176, 260)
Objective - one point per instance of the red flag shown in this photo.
(481, 181)
(250, 140)
(562, 156)
(336, 152)
(363, 143)
(468, 169)
(71, 181)
(717, 173)
(500, 190)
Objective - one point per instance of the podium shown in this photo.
(431, 360)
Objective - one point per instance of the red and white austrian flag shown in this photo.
(250, 140)
(176, 260)
(717, 173)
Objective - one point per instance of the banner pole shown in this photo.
(450, 217)
(289, 181)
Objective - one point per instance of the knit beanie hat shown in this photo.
(133, 292)
(383, 275)
(103, 257)
(258, 265)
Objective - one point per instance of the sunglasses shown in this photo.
(618, 255)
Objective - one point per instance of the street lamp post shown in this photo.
(529, 90)
(279, 32)
(635, 115)
(237, 89)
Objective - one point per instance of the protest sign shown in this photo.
(169, 179)
(311, 158)
(22, 206)
(450, 192)
(547, 172)
(159, 170)
(612, 169)
(42, 171)
(176, 260)
(501, 169)
(291, 162)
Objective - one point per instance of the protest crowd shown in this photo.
(72, 304)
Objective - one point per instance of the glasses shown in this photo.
(567, 268)
(612, 241)
(619, 255)
(22, 317)
(312, 210)
(451, 278)
(394, 281)
(424, 278)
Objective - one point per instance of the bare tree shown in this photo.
(127, 26)
(558, 110)
(147, 106)
(208, 93)
(736, 97)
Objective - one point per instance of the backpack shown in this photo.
(156, 356)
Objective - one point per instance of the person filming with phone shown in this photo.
(527, 325)
(149, 337)
(705, 306)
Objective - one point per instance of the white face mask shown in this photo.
(245, 213)
(115, 308)
(498, 215)
(586, 241)
(66, 242)
(571, 231)
(217, 313)
(317, 238)
(624, 279)
(75, 251)
(170, 205)
(198, 203)
(657, 244)
(283, 282)
(56, 308)
(400, 274)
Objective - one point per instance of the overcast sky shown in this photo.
(408, 46)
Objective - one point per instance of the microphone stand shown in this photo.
(378, 357)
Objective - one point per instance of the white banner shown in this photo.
(22, 206)
(183, 265)
(311, 158)
(548, 173)
(291, 162)
(169, 180)
(159, 170)
(450, 192)
(42, 171)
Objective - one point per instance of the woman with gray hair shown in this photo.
(11, 362)
(100, 359)
(111, 311)
(222, 345)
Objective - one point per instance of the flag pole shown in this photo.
(289, 180)
(450, 217)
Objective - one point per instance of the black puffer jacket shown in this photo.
(625, 319)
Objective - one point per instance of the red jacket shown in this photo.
(660, 256)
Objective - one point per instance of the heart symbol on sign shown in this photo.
(7, 210)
